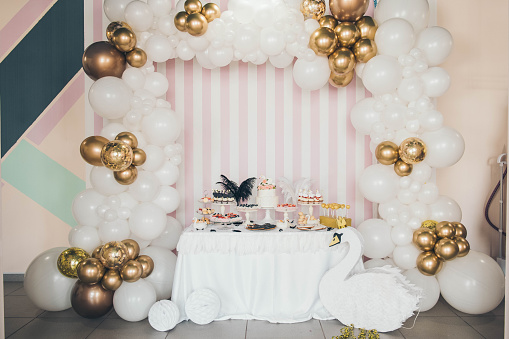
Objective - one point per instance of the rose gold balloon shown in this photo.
(340, 80)
(445, 229)
(412, 150)
(446, 249)
(124, 40)
(90, 149)
(180, 21)
(348, 10)
(139, 157)
(131, 271)
(211, 11)
(323, 41)
(196, 24)
(328, 21)
(387, 153)
(111, 280)
(133, 249)
(460, 229)
(364, 50)
(402, 168)
(116, 155)
(347, 33)
(313, 9)
(102, 59)
(192, 6)
(96, 252)
(127, 138)
(136, 58)
(91, 271)
(424, 239)
(367, 26)
(113, 26)
(113, 255)
(147, 263)
(342, 61)
(428, 263)
(127, 176)
(91, 300)
(463, 246)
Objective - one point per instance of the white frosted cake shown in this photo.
(266, 197)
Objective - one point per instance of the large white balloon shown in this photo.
(161, 277)
(272, 41)
(85, 237)
(363, 115)
(115, 230)
(155, 158)
(405, 256)
(160, 7)
(382, 74)
(410, 89)
(436, 81)
(415, 12)
(429, 193)
(311, 75)
(161, 127)
(167, 198)
(146, 186)
(220, 56)
(139, 16)
(445, 209)
(393, 116)
(377, 238)
(114, 9)
(421, 172)
(429, 285)
(110, 97)
(168, 173)
(473, 284)
(445, 147)
(132, 301)
(394, 37)
(431, 120)
(156, 83)
(390, 207)
(378, 183)
(436, 44)
(159, 48)
(111, 130)
(45, 286)
(104, 182)
(84, 207)
(282, 60)
(134, 78)
(401, 235)
(170, 236)
(147, 221)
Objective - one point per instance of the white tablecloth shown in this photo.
(265, 275)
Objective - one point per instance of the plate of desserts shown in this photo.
(260, 227)
(311, 227)
(225, 218)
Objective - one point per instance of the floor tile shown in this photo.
(61, 328)
(14, 324)
(332, 328)
(263, 329)
(19, 306)
(10, 287)
(118, 328)
(441, 309)
(438, 327)
(19, 291)
(226, 329)
(69, 313)
(489, 326)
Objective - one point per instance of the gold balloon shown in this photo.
(131, 271)
(446, 249)
(127, 176)
(431, 224)
(342, 61)
(412, 150)
(133, 249)
(136, 58)
(128, 138)
(323, 41)
(192, 6)
(347, 33)
(96, 252)
(387, 153)
(116, 155)
(364, 50)
(124, 40)
(113, 26)
(111, 280)
(147, 263)
(428, 263)
(90, 149)
(328, 21)
(139, 157)
(367, 26)
(463, 246)
(113, 255)
(90, 271)
(196, 24)
(102, 59)
(180, 21)
(313, 9)
(69, 260)
(445, 229)
(340, 80)
(91, 300)
(460, 229)
(424, 239)
(211, 11)
(402, 168)
(348, 10)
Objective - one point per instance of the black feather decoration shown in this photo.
(245, 190)
(228, 185)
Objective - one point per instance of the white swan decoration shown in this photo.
(380, 298)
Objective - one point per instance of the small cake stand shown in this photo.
(310, 211)
(286, 210)
(267, 219)
(247, 211)
(223, 206)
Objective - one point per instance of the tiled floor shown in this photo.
(24, 320)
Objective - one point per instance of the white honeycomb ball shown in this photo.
(202, 306)
(164, 315)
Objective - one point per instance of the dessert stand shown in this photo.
(247, 211)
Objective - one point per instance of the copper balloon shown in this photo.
(116, 155)
(323, 41)
(124, 40)
(342, 61)
(69, 260)
(364, 49)
(387, 153)
(463, 246)
(445, 229)
(348, 33)
(367, 26)
(180, 21)
(133, 249)
(96, 252)
(90, 271)
(402, 168)
(139, 157)
(424, 239)
(428, 263)
(113, 255)
(136, 58)
(340, 80)
(147, 263)
(127, 176)
(211, 11)
(131, 271)
(196, 24)
(192, 6)
(348, 10)
(460, 229)
(111, 280)
(313, 9)
(328, 21)
(412, 150)
(91, 300)
(90, 149)
(446, 249)
(102, 59)
(113, 26)
(128, 138)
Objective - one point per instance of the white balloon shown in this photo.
(156, 83)
(431, 120)
(147, 221)
(168, 173)
(420, 210)
(243, 10)
(104, 182)
(429, 193)
(132, 301)
(436, 81)
(406, 196)
(114, 9)
(170, 237)
(382, 74)
(204, 60)
(198, 43)
(377, 238)
(141, 242)
(185, 52)
(401, 235)
(282, 60)
(272, 41)
(84, 207)
(161, 277)
(436, 44)
(473, 284)
(421, 172)
(445, 147)
(45, 286)
(428, 284)
(411, 89)
(139, 16)
(127, 200)
(145, 187)
(134, 78)
(311, 25)
(378, 183)
(401, 135)
(394, 37)
(159, 7)
(161, 127)
(168, 199)
(406, 256)
(159, 48)
(363, 115)
(390, 207)
(415, 12)
(85, 237)
(155, 158)
(110, 97)
(111, 130)
(311, 75)
(393, 116)
(113, 230)
(166, 24)
(220, 57)
(132, 120)
(247, 38)
(445, 209)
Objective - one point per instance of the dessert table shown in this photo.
(266, 275)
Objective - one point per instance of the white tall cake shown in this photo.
(266, 197)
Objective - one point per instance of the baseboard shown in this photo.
(16, 277)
